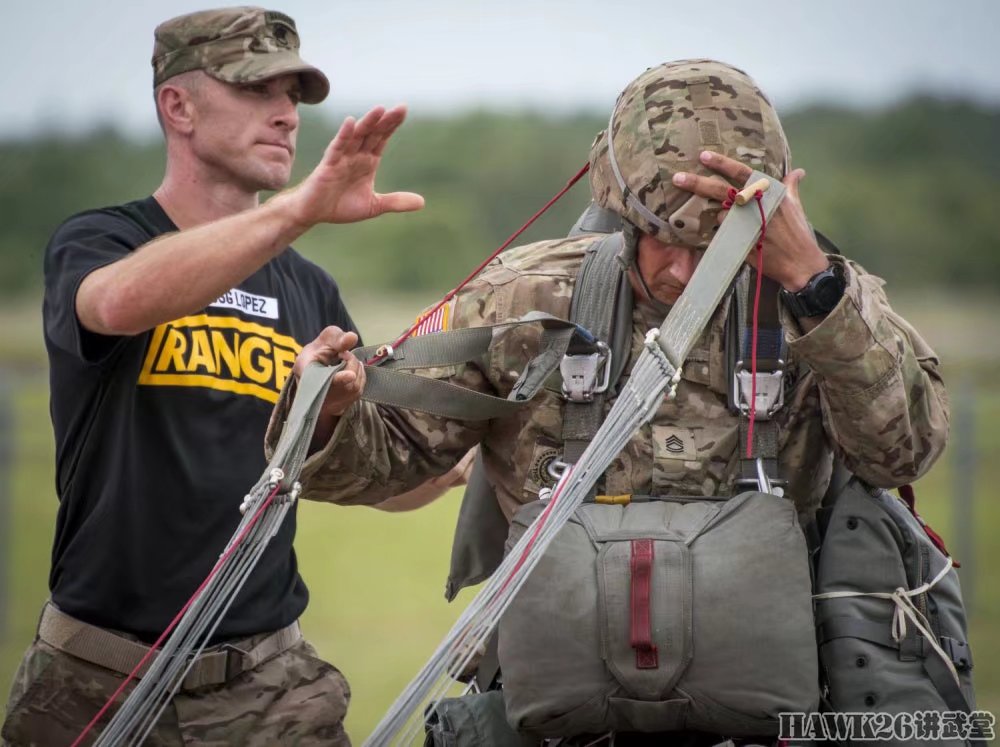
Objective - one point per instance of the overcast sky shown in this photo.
(68, 64)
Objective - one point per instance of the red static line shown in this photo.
(540, 522)
(399, 340)
(177, 618)
(758, 195)
(727, 204)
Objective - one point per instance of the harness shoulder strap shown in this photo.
(596, 219)
(771, 355)
(481, 528)
(610, 323)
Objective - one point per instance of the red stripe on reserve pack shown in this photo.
(646, 656)
(435, 322)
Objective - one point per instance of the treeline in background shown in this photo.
(909, 191)
(912, 191)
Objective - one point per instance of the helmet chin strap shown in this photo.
(628, 258)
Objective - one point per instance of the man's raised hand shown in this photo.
(341, 189)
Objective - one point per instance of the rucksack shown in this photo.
(890, 621)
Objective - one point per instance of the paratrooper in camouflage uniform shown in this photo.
(860, 382)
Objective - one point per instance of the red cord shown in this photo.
(726, 204)
(543, 517)
(399, 340)
(177, 618)
(758, 195)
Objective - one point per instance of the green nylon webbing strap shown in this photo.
(293, 445)
(456, 346)
(435, 397)
(393, 388)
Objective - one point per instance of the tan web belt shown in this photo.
(119, 654)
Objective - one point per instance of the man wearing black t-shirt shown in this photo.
(171, 324)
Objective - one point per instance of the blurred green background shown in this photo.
(910, 191)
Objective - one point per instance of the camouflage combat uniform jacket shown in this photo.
(862, 384)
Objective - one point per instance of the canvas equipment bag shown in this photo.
(663, 615)
(890, 620)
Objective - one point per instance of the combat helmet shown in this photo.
(661, 122)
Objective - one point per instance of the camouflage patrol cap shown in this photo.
(660, 124)
(235, 45)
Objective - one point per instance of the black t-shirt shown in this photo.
(159, 436)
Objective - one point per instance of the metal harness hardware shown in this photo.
(580, 374)
(770, 391)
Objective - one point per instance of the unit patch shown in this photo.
(223, 353)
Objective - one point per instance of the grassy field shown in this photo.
(377, 580)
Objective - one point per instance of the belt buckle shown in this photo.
(235, 658)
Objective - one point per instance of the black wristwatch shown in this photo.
(821, 294)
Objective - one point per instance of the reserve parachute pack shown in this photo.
(666, 614)
(663, 615)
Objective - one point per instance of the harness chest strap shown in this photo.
(106, 649)
(389, 386)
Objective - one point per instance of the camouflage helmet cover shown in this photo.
(660, 124)
(235, 45)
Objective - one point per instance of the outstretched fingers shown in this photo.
(368, 126)
(387, 127)
(350, 138)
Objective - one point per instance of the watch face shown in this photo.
(828, 292)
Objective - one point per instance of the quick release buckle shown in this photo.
(770, 390)
(586, 374)
(958, 652)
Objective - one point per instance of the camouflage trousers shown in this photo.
(294, 698)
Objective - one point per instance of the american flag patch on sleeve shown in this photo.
(434, 322)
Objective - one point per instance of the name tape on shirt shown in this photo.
(248, 303)
(222, 353)
(436, 322)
